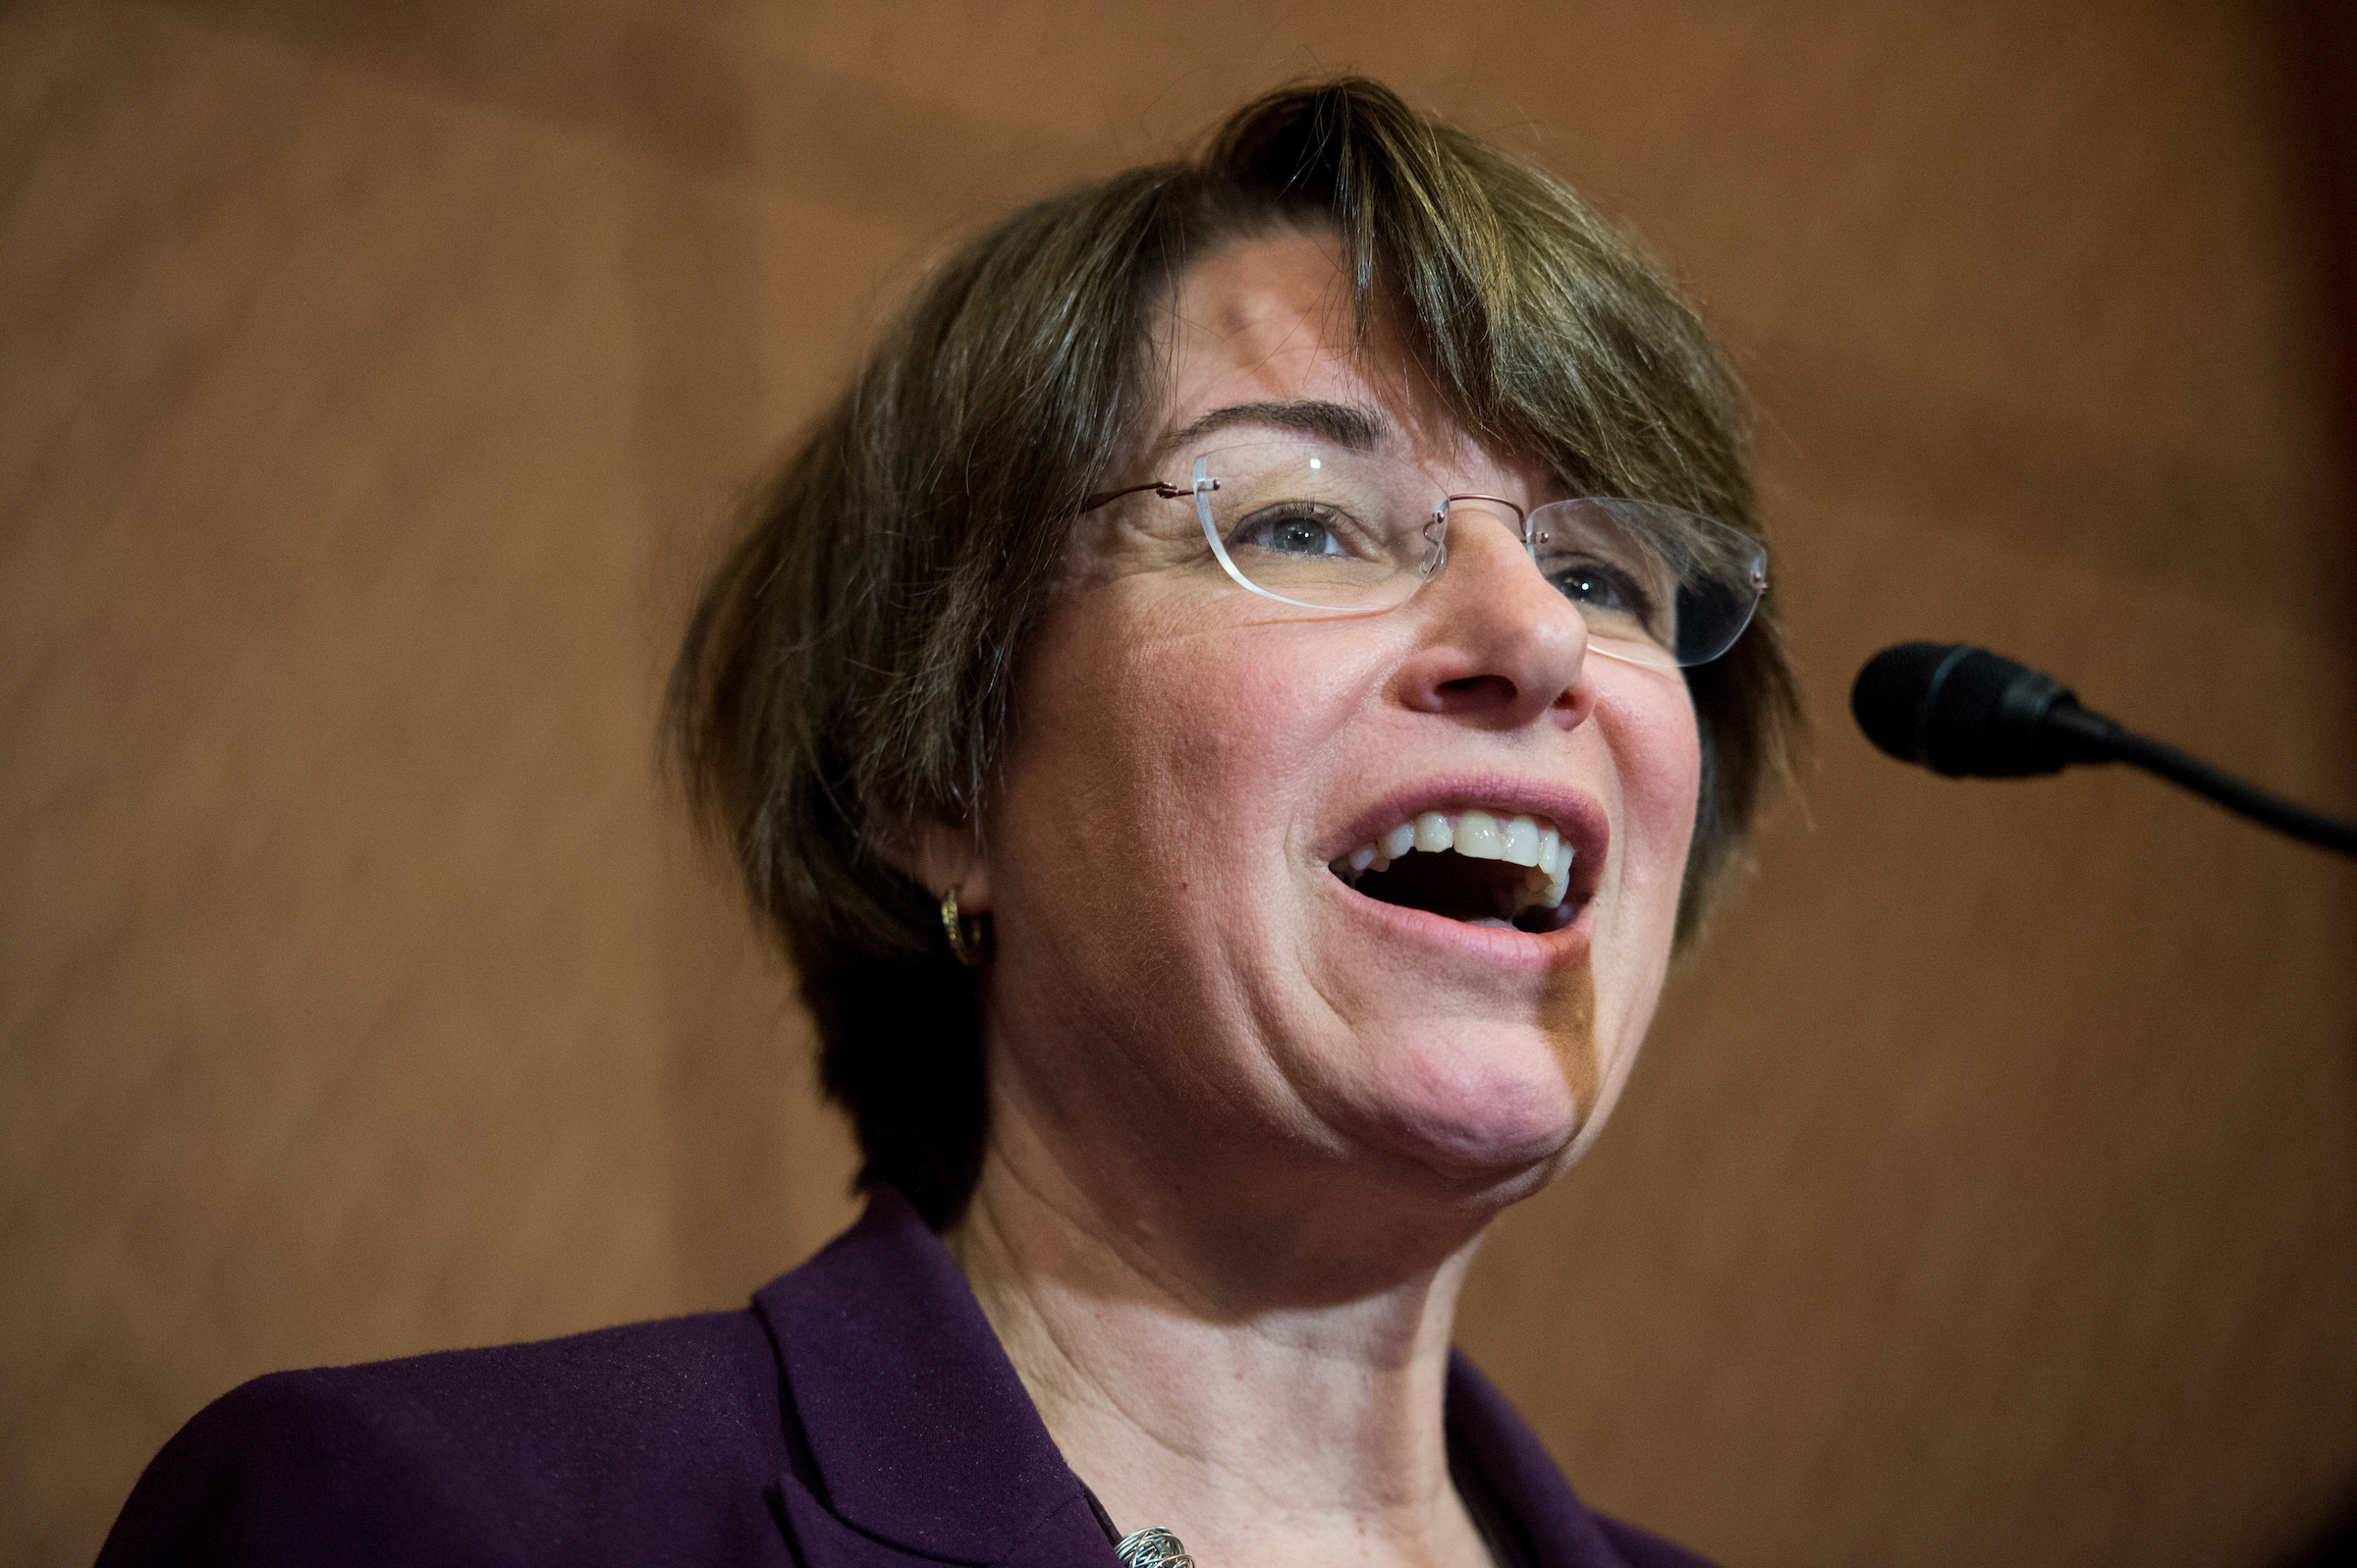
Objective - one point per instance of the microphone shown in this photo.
(1967, 713)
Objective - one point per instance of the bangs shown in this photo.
(1545, 331)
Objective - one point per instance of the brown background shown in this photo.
(371, 378)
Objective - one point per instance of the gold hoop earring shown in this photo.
(964, 930)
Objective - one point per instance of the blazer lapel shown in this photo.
(1559, 1531)
(922, 1442)
(923, 1447)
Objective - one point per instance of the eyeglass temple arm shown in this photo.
(1161, 487)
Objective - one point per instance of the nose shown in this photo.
(1501, 648)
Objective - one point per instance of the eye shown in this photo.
(1292, 529)
(1599, 586)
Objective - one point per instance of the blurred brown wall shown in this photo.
(371, 376)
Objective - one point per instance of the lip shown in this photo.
(1494, 947)
(1576, 816)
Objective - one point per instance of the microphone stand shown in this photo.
(2096, 739)
(1967, 713)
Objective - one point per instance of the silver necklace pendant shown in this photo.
(1153, 1547)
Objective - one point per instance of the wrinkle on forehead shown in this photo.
(1262, 331)
(1274, 318)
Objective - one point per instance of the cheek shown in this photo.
(1199, 736)
(1659, 750)
(1143, 836)
(1658, 766)
(1154, 758)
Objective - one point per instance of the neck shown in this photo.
(1259, 1413)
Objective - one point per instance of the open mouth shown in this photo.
(1478, 867)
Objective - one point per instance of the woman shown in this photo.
(1231, 717)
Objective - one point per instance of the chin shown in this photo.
(1481, 1116)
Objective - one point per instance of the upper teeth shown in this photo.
(1523, 841)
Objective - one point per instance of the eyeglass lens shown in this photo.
(1331, 528)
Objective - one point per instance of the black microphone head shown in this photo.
(1960, 711)
(1888, 694)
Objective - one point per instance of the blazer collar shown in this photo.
(922, 1439)
(1554, 1527)
(920, 1433)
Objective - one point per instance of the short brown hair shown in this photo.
(849, 670)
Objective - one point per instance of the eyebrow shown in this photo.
(1346, 424)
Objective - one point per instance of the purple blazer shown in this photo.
(859, 1414)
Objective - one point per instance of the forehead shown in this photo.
(1263, 335)
(1268, 322)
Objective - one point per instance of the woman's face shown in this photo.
(1176, 953)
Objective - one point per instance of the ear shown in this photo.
(939, 855)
